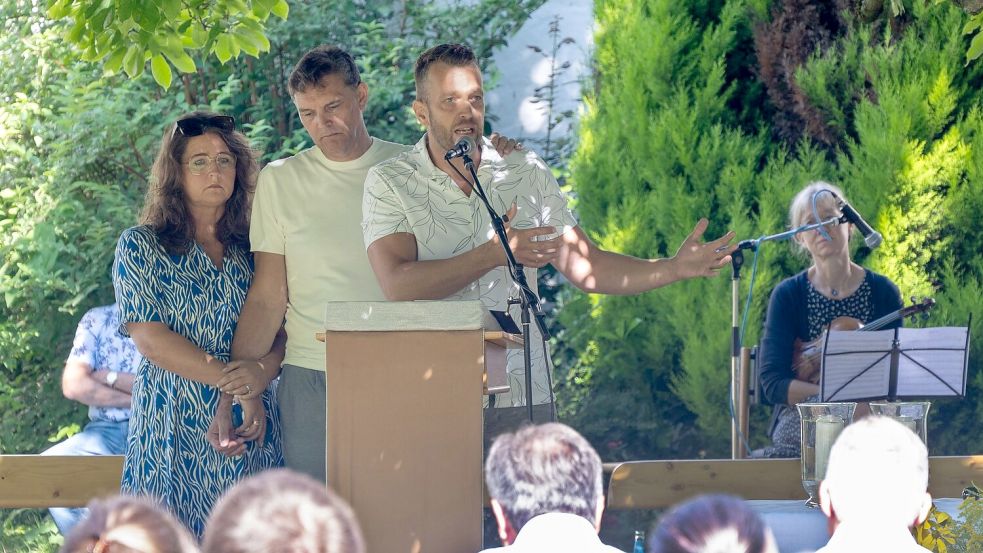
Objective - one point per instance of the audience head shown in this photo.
(128, 524)
(282, 511)
(175, 179)
(877, 475)
(548, 468)
(711, 524)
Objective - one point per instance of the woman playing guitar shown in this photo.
(801, 308)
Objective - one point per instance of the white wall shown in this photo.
(521, 69)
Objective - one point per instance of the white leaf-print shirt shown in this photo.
(99, 344)
(409, 194)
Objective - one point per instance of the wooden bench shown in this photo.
(660, 484)
(36, 481)
(42, 481)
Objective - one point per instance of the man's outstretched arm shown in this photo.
(602, 272)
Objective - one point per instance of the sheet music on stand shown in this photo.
(894, 364)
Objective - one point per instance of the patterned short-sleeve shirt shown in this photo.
(408, 194)
(99, 344)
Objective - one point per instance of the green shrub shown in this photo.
(881, 105)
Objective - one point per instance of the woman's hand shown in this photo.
(220, 432)
(253, 421)
(245, 379)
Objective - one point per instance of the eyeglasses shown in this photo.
(200, 163)
(194, 126)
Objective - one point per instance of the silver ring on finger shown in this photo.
(249, 389)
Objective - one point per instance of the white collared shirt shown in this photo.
(556, 532)
(849, 538)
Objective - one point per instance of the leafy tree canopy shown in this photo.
(129, 33)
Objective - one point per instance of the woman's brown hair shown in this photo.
(165, 208)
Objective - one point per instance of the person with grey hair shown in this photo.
(876, 488)
(801, 307)
(282, 510)
(546, 490)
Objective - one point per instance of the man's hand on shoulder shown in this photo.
(505, 145)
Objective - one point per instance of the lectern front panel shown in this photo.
(404, 436)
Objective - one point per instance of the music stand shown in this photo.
(894, 364)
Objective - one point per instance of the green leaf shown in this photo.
(75, 34)
(161, 70)
(171, 9)
(223, 48)
(133, 60)
(973, 24)
(261, 8)
(115, 60)
(281, 9)
(181, 60)
(251, 38)
(975, 48)
(247, 46)
(59, 9)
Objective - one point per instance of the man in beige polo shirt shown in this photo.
(305, 235)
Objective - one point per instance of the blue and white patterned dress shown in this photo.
(167, 455)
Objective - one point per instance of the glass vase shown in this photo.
(821, 424)
(913, 414)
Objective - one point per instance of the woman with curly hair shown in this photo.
(181, 277)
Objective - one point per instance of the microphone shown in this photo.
(871, 237)
(463, 147)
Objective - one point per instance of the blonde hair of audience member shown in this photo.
(282, 511)
(877, 476)
(711, 524)
(128, 524)
(800, 210)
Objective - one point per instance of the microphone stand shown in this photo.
(736, 262)
(528, 301)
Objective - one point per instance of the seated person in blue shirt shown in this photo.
(99, 373)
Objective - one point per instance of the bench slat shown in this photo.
(41, 481)
(660, 484)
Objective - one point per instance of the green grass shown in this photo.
(28, 531)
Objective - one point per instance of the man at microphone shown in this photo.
(428, 235)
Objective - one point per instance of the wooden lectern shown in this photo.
(404, 420)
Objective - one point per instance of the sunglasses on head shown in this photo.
(194, 126)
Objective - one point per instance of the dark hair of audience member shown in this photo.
(128, 524)
(282, 510)
(320, 62)
(165, 209)
(710, 523)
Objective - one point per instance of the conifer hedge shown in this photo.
(726, 109)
